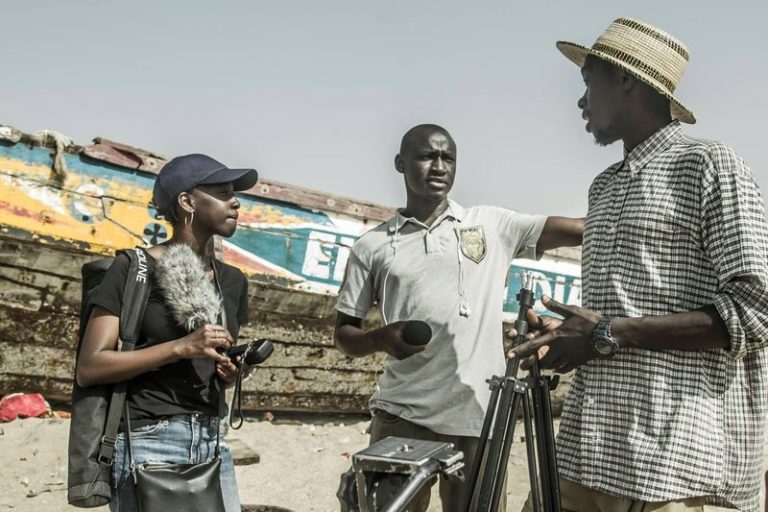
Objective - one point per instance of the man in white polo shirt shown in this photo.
(446, 265)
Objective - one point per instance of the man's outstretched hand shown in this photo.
(561, 345)
(537, 326)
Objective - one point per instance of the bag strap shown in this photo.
(220, 388)
(216, 382)
(135, 296)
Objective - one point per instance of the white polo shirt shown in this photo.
(437, 275)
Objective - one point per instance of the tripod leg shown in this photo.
(541, 441)
(507, 446)
(481, 447)
(545, 438)
(531, 452)
(503, 433)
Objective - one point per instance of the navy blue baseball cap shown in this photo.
(188, 171)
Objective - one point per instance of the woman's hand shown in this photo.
(226, 371)
(209, 341)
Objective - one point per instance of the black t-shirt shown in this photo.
(185, 386)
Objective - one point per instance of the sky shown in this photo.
(318, 93)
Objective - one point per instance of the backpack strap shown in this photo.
(135, 298)
(221, 389)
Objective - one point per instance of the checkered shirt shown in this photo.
(678, 225)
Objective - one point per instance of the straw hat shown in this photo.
(643, 50)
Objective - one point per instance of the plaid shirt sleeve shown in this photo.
(735, 237)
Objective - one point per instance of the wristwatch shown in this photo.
(603, 343)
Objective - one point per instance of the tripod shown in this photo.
(507, 394)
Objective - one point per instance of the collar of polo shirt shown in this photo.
(454, 211)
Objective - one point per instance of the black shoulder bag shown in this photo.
(187, 487)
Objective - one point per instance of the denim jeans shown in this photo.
(184, 439)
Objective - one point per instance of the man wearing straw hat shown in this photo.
(667, 408)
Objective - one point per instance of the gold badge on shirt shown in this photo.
(472, 242)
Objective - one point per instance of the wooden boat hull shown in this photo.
(291, 242)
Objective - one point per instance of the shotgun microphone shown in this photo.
(417, 332)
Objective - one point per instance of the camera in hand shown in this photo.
(244, 357)
(417, 332)
(253, 352)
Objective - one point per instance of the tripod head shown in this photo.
(388, 474)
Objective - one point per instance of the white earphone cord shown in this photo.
(395, 237)
(464, 309)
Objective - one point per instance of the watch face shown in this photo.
(603, 346)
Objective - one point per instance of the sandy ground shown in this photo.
(301, 460)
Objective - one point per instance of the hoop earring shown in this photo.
(189, 220)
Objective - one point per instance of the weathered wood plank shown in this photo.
(38, 291)
(38, 328)
(314, 403)
(36, 361)
(59, 261)
(310, 356)
(117, 153)
(51, 389)
(284, 302)
(310, 381)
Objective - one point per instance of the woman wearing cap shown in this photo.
(194, 312)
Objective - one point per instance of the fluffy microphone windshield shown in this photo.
(191, 296)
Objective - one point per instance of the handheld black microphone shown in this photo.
(417, 332)
(256, 351)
